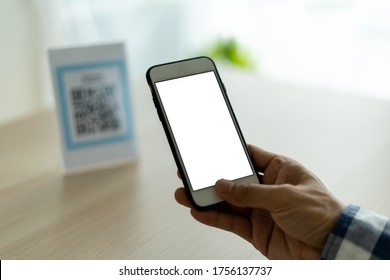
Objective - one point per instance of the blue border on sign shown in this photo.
(128, 122)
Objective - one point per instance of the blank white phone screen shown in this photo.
(203, 129)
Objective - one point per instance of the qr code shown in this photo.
(96, 110)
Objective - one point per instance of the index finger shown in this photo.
(261, 158)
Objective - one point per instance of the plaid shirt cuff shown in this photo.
(358, 234)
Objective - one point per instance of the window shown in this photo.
(342, 45)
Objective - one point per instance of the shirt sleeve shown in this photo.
(358, 234)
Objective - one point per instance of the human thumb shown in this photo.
(250, 194)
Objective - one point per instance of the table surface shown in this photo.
(128, 211)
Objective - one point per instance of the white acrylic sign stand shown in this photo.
(93, 105)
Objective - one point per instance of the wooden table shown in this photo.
(128, 211)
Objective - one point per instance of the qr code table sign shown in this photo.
(93, 105)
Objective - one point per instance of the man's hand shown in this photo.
(289, 216)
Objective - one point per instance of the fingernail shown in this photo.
(223, 186)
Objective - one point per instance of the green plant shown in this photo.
(229, 51)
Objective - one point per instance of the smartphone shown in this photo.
(201, 128)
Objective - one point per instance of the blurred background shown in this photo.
(319, 68)
(342, 45)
